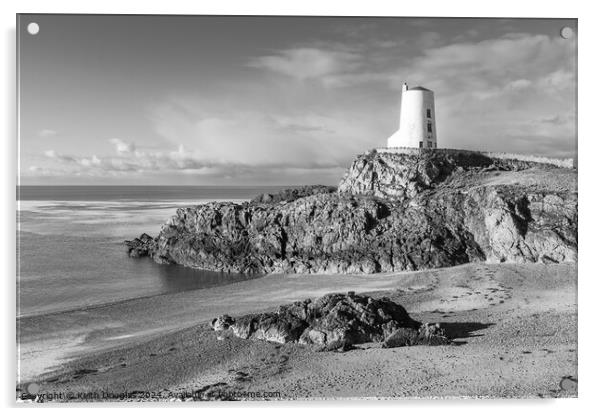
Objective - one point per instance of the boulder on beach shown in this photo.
(337, 322)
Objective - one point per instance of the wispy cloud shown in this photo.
(179, 160)
(493, 92)
(515, 58)
(262, 136)
(308, 63)
(47, 133)
(122, 147)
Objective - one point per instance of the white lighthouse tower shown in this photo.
(417, 126)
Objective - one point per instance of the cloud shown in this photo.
(47, 133)
(519, 84)
(495, 63)
(180, 160)
(308, 63)
(560, 79)
(122, 147)
(510, 61)
(557, 119)
(54, 155)
(332, 100)
(93, 161)
(266, 134)
(247, 141)
(491, 93)
(505, 85)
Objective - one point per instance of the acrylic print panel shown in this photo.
(284, 208)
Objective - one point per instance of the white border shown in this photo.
(589, 184)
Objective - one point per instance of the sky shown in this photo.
(228, 101)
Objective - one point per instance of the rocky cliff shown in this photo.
(392, 212)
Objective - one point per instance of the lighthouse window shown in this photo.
(428, 112)
(429, 127)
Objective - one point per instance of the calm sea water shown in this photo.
(69, 243)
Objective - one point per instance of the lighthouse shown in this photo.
(417, 126)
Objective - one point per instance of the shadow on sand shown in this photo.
(455, 330)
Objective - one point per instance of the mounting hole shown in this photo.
(566, 32)
(33, 28)
(33, 388)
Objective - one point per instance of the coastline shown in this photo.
(95, 328)
(521, 315)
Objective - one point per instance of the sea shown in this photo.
(70, 251)
(79, 294)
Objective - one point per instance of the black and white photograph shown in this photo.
(292, 208)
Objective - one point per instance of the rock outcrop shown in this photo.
(427, 334)
(290, 195)
(337, 321)
(392, 212)
(404, 176)
(222, 323)
(141, 246)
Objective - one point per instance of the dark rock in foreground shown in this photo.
(392, 212)
(336, 322)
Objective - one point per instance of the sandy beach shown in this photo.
(514, 329)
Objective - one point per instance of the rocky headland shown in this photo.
(391, 212)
